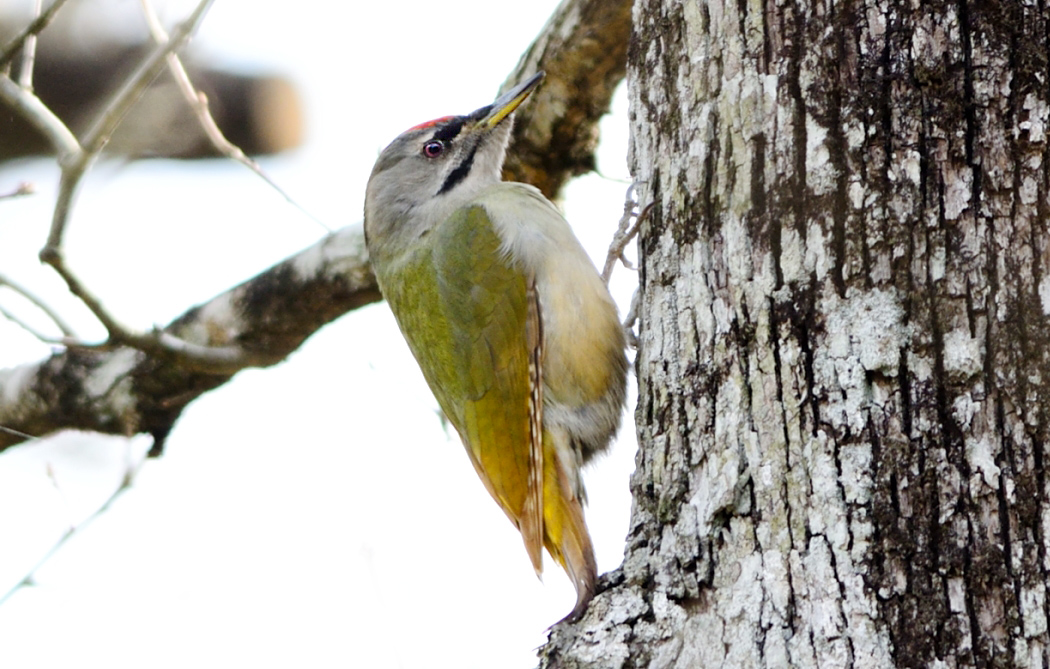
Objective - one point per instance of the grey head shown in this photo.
(434, 168)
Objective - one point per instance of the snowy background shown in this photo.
(316, 513)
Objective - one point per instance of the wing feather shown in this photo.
(532, 516)
(464, 308)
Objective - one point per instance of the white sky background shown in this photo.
(315, 513)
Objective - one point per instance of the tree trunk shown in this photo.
(843, 352)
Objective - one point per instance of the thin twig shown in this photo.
(135, 85)
(24, 188)
(38, 303)
(52, 257)
(7, 54)
(107, 121)
(64, 342)
(198, 101)
(130, 473)
(25, 78)
(631, 320)
(75, 158)
(17, 433)
(210, 359)
(42, 118)
(625, 232)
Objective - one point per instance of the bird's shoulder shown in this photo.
(531, 229)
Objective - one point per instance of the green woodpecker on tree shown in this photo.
(513, 328)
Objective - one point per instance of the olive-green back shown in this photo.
(462, 306)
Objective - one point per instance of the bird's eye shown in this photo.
(433, 148)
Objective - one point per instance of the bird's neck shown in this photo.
(400, 228)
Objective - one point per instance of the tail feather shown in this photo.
(565, 532)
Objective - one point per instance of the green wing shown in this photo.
(463, 307)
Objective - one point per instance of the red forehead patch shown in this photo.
(428, 124)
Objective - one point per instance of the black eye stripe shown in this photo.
(448, 132)
(460, 173)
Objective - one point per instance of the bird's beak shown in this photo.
(491, 116)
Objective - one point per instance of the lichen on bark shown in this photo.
(843, 356)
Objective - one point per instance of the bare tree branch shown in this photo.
(38, 303)
(625, 232)
(198, 101)
(113, 113)
(12, 48)
(43, 119)
(75, 158)
(130, 473)
(25, 77)
(11, 316)
(21, 190)
(583, 49)
(122, 390)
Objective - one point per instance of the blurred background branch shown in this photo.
(258, 323)
(74, 78)
(157, 228)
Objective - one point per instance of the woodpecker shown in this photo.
(513, 328)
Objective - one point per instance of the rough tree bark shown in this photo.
(843, 364)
